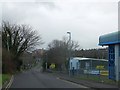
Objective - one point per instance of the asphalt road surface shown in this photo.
(35, 79)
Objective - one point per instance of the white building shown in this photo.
(81, 64)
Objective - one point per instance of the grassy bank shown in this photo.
(0, 79)
(93, 78)
(5, 78)
(96, 78)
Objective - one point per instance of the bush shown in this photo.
(44, 65)
(7, 62)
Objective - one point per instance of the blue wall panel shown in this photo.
(112, 62)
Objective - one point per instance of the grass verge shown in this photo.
(5, 78)
(0, 80)
(96, 78)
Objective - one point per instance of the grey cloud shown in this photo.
(86, 21)
(49, 5)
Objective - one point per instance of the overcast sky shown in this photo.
(52, 19)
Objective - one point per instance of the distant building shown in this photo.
(81, 64)
(112, 40)
(27, 58)
(37, 54)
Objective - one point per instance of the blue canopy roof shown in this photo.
(111, 38)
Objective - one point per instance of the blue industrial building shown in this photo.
(112, 40)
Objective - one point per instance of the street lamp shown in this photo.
(7, 42)
(69, 43)
(69, 36)
(69, 51)
(46, 64)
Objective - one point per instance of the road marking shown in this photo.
(81, 86)
(10, 83)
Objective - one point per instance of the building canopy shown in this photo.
(111, 38)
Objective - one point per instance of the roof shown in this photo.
(111, 38)
(80, 58)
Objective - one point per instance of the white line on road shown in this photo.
(81, 86)
(10, 83)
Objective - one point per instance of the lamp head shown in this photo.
(68, 32)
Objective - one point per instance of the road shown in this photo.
(35, 79)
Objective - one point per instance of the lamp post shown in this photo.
(46, 61)
(69, 43)
(7, 42)
(69, 51)
(69, 36)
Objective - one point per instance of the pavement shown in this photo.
(90, 84)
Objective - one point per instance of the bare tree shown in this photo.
(17, 39)
(58, 51)
(100, 53)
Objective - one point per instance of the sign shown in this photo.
(94, 72)
(52, 66)
(100, 67)
(104, 73)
